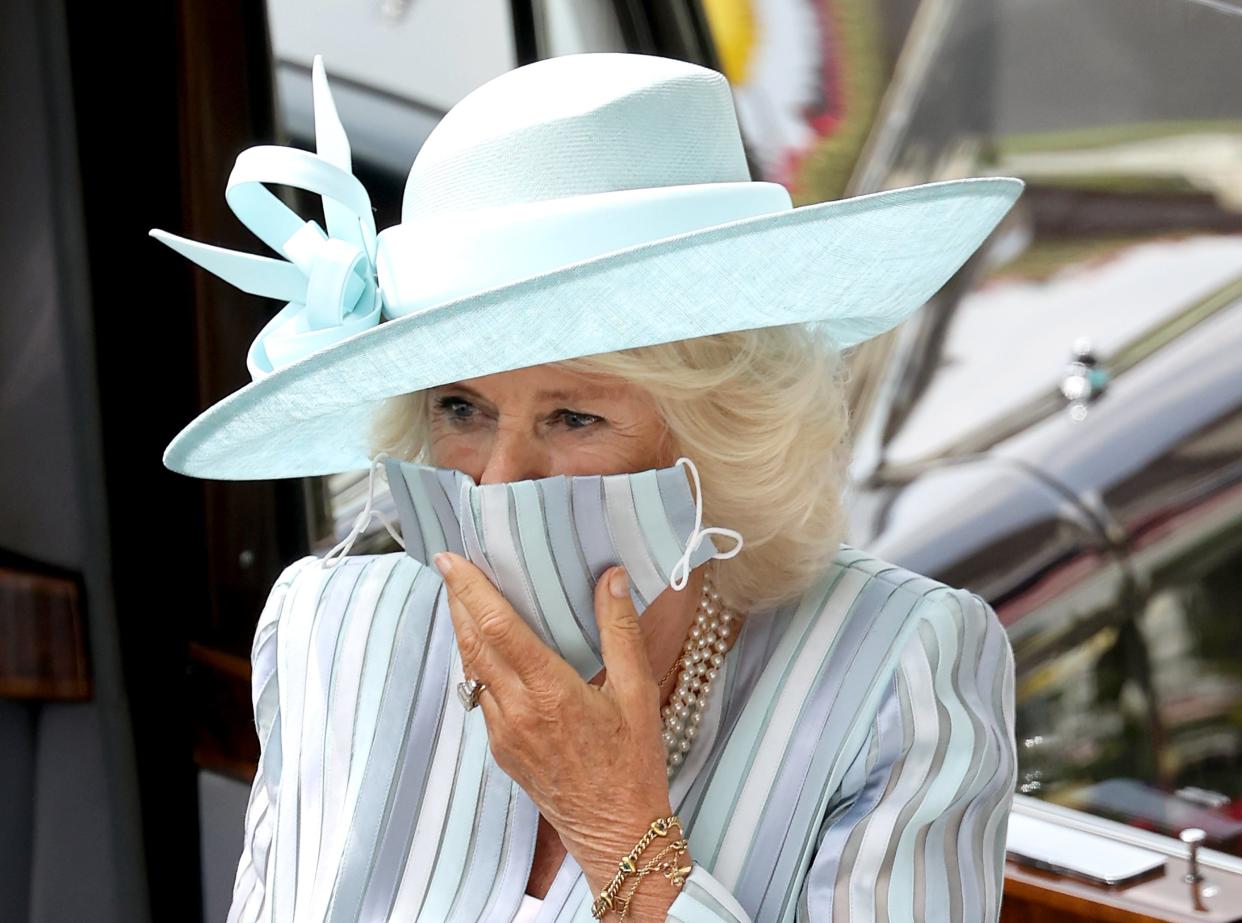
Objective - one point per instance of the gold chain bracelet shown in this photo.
(671, 869)
(629, 863)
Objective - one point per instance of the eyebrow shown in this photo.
(555, 394)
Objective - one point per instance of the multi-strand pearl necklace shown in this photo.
(709, 641)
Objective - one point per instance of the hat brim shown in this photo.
(859, 265)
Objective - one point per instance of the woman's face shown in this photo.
(543, 421)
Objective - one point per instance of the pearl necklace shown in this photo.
(702, 657)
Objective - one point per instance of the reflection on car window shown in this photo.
(1087, 355)
(1141, 720)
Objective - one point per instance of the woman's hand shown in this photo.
(591, 757)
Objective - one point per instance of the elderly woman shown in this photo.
(568, 699)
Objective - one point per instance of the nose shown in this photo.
(514, 455)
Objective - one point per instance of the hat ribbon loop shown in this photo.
(327, 279)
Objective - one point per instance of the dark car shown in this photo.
(1061, 431)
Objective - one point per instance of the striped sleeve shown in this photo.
(921, 836)
(249, 885)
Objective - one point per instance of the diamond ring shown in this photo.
(469, 691)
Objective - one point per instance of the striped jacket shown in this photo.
(856, 762)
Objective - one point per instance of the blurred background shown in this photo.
(1060, 430)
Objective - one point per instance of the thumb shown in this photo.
(620, 637)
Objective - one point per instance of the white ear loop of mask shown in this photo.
(697, 536)
(363, 520)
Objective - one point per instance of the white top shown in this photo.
(529, 909)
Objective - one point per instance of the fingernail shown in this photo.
(443, 562)
(619, 583)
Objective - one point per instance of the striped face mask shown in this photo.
(545, 542)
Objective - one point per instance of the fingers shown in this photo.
(621, 640)
(477, 660)
(489, 631)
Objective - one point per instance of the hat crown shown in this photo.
(577, 125)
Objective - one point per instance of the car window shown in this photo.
(1091, 350)
(1130, 141)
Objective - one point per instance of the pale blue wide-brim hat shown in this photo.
(575, 206)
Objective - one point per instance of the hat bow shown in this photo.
(328, 279)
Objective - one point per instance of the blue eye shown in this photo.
(449, 406)
(574, 420)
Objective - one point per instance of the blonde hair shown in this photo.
(764, 416)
